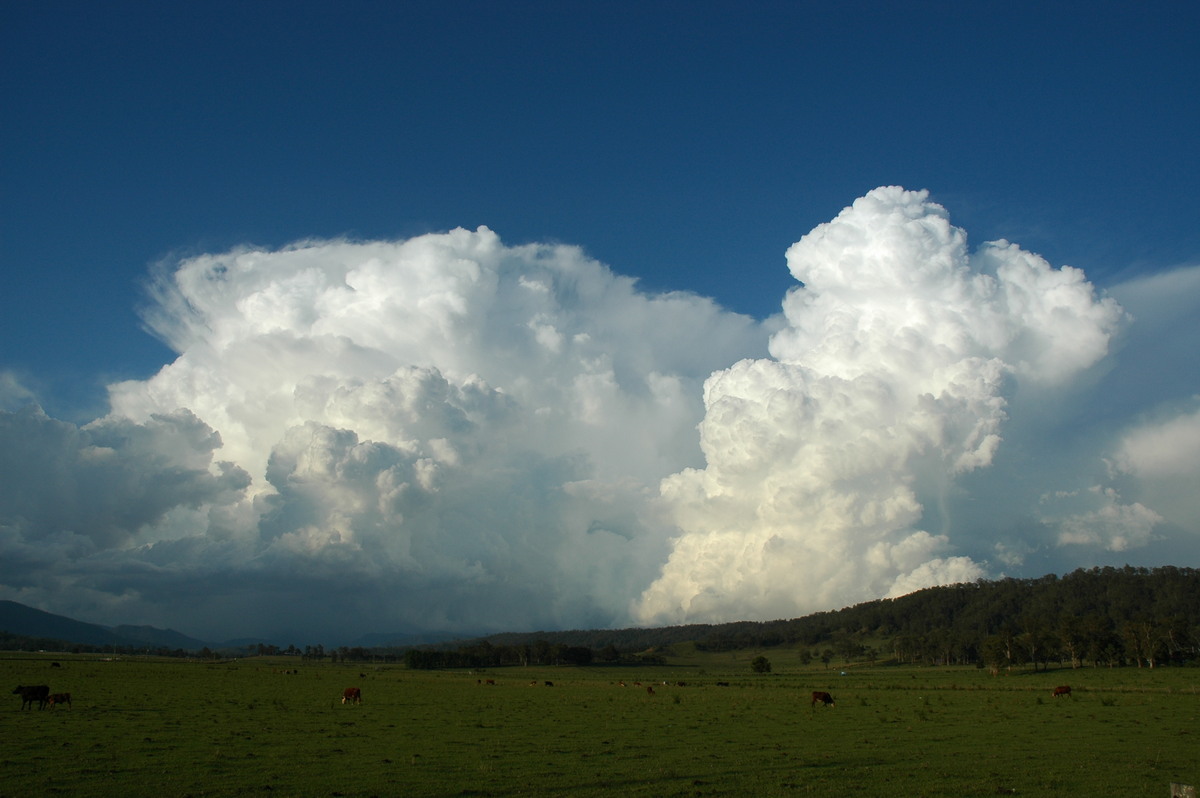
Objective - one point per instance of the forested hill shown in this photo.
(1096, 616)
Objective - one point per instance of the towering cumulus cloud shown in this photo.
(449, 433)
(443, 432)
(889, 381)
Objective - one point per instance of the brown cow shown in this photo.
(59, 698)
(824, 698)
(352, 695)
(39, 693)
(1062, 690)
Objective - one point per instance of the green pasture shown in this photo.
(170, 728)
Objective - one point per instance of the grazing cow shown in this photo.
(352, 695)
(39, 693)
(55, 665)
(1063, 690)
(722, 684)
(824, 698)
(549, 684)
(649, 690)
(59, 698)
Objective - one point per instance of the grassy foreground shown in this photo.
(169, 728)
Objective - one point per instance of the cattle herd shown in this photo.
(353, 695)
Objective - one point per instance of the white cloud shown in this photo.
(1169, 448)
(13, 393)
(449, 433)
(443, 420)
(890, 380)
(1161, 460)
(1106, 522)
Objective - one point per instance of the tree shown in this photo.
(995, 653)
(1073, 639)
(1142, 641)
(760, 664)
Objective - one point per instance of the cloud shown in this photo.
(13, 393)
(891, 379)
(450, 433)
(1163, 449)
(1161, 460)
(1111, 524)
(440, 432)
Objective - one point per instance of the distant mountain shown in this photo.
(404, 639)
(19, 619)
(160, 638)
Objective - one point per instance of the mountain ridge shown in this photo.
(22, 620)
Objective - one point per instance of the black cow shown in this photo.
(39, 693)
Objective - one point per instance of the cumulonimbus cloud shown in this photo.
(889, 380)
(450, 433)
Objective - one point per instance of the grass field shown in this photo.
(170, 728)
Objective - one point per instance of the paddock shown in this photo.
(145, 727)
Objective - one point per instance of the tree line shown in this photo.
(1144, 617)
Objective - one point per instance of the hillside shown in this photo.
(20, 621)
(1112, 616)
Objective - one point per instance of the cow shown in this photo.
(352, 695)
(649, 690)
(549, 684)
(39, 693)
(825, 698)
(1062, 690)
(59, 698)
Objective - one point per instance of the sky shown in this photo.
(325, 319)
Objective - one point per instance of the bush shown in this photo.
(760, 664)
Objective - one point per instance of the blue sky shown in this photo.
(684, 143)
(687, 145)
